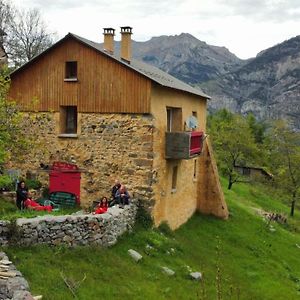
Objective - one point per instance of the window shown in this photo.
(195, 168)
(68, 119)
(174, 119)
(194, 114)
(174, 178)
(71, 71)
(246, 171)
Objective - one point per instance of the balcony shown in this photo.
(184, 145)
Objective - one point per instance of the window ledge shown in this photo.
(68, 135)
(71, 79)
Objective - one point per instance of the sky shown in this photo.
(245, 27)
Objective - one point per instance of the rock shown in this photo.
(22, 295)
(135, 255)
(196, 276)
(272, 229)
(149, 247)
(168, 271)
(5, 262)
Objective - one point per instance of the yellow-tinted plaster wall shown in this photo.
(174, 205)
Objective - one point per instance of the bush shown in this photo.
(6, 183)
(143, 216)
(33, 184)
(165, 229)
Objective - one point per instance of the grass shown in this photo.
(253, 262)
(9, 211)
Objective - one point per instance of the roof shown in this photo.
(160, 77)
(263, 170)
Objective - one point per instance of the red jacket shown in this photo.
(29, 203)
(101, 208)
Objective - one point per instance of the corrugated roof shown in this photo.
(150, 72)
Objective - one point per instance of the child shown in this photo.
(102, 207)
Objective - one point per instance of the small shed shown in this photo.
(65, 177)
(253, 172)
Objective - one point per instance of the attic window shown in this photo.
(71, 71)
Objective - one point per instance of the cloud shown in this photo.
(261, 10)
(244, 26)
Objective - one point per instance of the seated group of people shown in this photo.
(119, 196)
(25, 201)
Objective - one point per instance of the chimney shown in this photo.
(126, 33)
(109, 34)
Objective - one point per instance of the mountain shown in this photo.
(268, 85)
(186, 57)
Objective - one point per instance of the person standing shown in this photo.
(22, 194)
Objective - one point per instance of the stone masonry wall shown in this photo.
(108, 147)
(71, 230)
(13, 286)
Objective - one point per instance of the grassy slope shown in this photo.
(254, 262)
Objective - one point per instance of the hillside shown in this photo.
(268, 85)
(186, 57)
(255, 260)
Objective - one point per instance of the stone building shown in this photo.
(120, 118)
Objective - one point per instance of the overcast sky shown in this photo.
(245, 27)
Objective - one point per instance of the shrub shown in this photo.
(143, 216)
(165, 229)
(33, 184)
(6, 183)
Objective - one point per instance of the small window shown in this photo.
(195, 168)
(174, 119)
(194, 114)
(71, 70)
(174, 178)
(68, 119)
(246, 171)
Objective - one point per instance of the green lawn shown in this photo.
(253, 262)
(9, 211)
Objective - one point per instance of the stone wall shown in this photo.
(12, 284)
(107, 147)
(71, 230)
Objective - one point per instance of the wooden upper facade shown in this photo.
(102, 83)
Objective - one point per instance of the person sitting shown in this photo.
(102, 207)
(22, 194)
(114, 190)
(31, 204)
(122, 196)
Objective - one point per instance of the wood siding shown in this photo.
(104, 85)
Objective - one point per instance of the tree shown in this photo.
(26, 33)
(12, 139)
(6, 15)
(284, 154)
(258, 128)
(233, 142)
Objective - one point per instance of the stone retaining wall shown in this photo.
(71, 230)
(15, 287)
